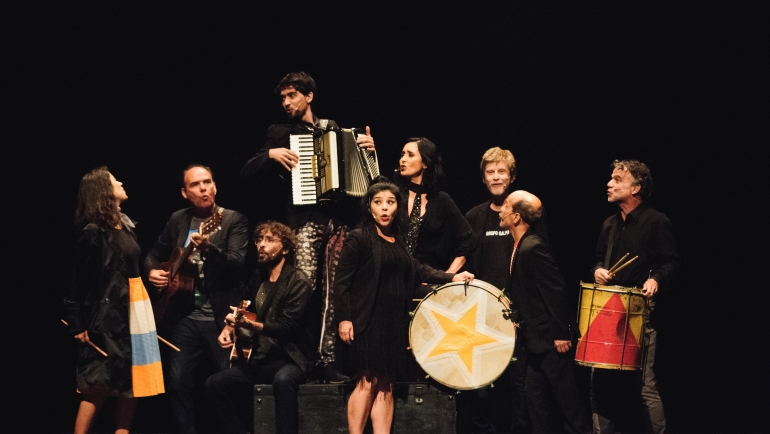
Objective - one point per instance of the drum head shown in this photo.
(462, 336)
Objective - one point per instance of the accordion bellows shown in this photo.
(330, 164)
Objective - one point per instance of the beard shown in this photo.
(265, 260)
(298, 114)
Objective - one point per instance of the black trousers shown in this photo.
(231, 394)
(614, 393)
(553, 395)
(500, 409)
(197, 341)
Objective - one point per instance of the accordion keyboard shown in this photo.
(303, 179)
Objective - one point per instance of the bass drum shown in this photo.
(462, 335)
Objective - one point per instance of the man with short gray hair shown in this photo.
(644, 232)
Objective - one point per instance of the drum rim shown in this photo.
(480, 284)
(609, 366)
(612, 288)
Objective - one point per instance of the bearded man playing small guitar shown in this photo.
(282, 342)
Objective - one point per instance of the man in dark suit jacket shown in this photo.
(282, 340)
(193, 319)
(537, 288)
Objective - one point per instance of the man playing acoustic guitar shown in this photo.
(195, 291)
(283, 342)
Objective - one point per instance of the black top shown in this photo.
(444, 234)
(646, 233)
(358, 274)
(380, 349)
(275, 181)
(491, 257)
(126, 243)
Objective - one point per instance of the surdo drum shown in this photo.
(462, 335)
(611, 321)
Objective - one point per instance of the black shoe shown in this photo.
(332, 375)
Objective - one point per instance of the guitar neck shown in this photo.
(182, 258)
(208, 227)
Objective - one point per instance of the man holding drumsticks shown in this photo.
(648, 237)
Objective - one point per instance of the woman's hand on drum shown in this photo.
(562, 346)
(346, 331)
(462, 277)
(602, 276)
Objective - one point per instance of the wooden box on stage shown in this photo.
(420, 408)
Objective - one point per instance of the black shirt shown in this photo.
(650, 235)
(490, 260)
(444, 233)
(493, 246)
(130, 250)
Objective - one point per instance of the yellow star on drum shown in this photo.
(461, 336)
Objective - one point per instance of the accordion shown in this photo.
(330, 165)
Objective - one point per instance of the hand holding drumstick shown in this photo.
(603, 276)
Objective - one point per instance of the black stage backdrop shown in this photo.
(147, 90)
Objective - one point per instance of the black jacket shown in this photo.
(285, 314)
(537, 288)
(97, 300)
(358, 274)
(223, 264)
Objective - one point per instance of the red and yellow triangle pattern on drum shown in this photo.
(611, 320)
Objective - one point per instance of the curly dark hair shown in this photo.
(96, 200)
(380, 184)
(640, 174)
(433, 175)
(288, 238)
(302, 81)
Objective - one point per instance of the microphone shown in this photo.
(507, 215)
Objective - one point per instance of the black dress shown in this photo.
(381, 349)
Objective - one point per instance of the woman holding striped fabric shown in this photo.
(106, 306)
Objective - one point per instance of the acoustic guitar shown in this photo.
(181, 272)
(242, 337)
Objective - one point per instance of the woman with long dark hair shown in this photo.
(107, 309)
(374, 282)
(438, 233)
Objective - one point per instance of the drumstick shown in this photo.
(624, 265)
(169, 344)
(88, 341)
(611, 270)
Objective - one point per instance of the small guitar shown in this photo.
(181, 274)
(242, 337)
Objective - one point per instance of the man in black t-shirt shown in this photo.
(321, 228)
(490, 262)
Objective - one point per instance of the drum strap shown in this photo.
(611, 242)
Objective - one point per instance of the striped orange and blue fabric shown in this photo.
(146, 370)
